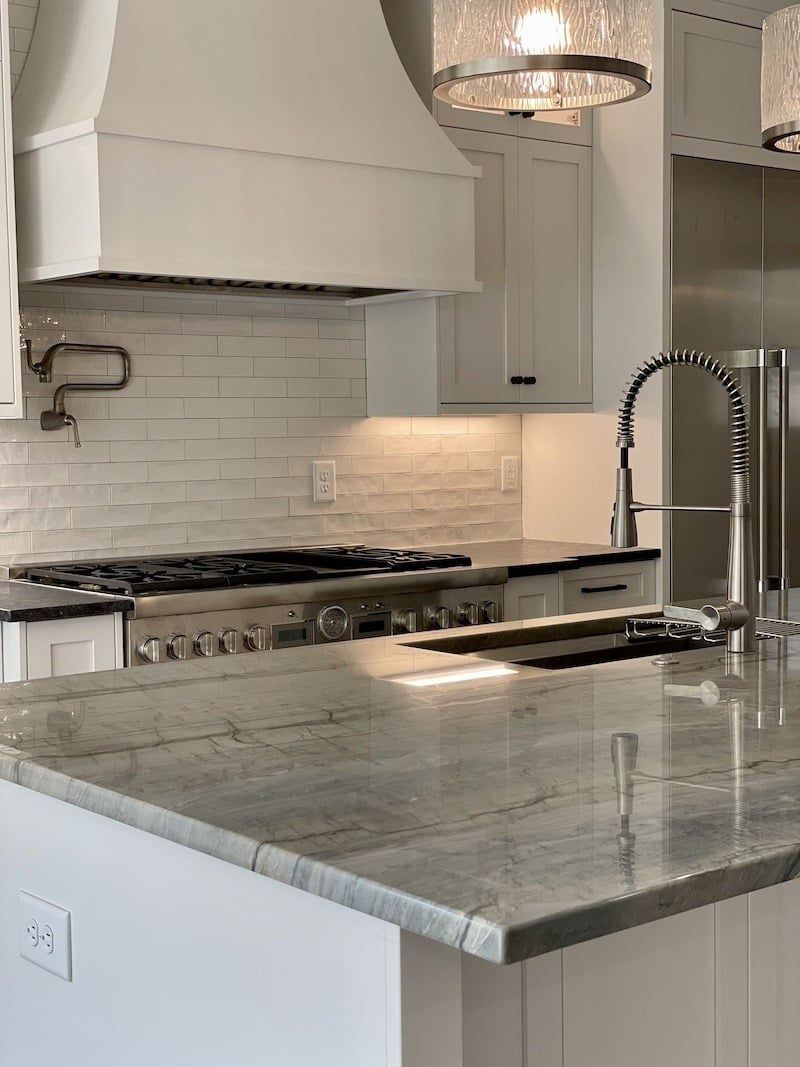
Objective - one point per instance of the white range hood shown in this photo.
(265, 142)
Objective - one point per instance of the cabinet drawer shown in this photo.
(616, 586)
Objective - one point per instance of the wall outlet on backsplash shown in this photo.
(509, 474)
(324, 475)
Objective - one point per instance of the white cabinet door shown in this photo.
(10, 364)
(527, 338)
(555, 250)
(774, 975)
(716, 78)
(534, 596)
(61, 646)
(614, 585)
(645, 995)
(479, 332)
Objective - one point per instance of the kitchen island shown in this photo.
(342, 844)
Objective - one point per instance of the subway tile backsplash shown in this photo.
(211, 444)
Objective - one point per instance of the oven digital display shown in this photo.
(375, 625)
(292, 635)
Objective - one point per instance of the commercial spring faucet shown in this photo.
(737, 615)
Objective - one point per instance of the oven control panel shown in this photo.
(228, 633)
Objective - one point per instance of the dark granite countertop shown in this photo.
(31, 602)
(529, 556)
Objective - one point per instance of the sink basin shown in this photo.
(559, 645)
(583, 651)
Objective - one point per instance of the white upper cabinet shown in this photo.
(10, 364)
(716, 89)
(479, 332)
(524, 342)
(716, 71)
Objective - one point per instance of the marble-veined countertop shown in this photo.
(479, 811)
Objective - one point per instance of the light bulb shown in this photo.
(540, 32)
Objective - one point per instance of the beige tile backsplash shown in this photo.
(211, 444)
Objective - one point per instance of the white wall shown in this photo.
(211, 444)
(21, 20)
(569, 460)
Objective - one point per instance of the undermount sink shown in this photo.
(584, 651)
(558, 646)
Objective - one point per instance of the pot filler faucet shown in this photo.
(58, 417)
(738, 614)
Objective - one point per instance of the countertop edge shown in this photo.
(493, 942)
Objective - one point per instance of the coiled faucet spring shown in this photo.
(740, 434)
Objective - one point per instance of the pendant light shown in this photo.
(523, 56)
(780, 80)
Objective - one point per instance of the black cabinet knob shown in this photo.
(516, 379)
(529, 379)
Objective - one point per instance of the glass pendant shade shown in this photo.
(521, 56)
(780, 80)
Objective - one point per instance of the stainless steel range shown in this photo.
(228, 603)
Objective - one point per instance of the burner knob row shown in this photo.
(204, 643)
(469, 614)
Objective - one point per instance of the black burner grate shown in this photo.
(166, 574)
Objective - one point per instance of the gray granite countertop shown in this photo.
(32, 602)
(480, 811)
(529, 556)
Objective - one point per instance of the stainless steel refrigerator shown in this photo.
(735, 288)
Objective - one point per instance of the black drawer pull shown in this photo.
(604, 588)
(529, 380)
(516, 379)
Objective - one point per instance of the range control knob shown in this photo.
(404, 621)
(256, 638)
(333, 623)
(149, 650)
(204, 643)
(178, 646)
(467, 613)
(490, 611)
(438, 618)
(229, 641)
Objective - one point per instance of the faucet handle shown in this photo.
(728, 616)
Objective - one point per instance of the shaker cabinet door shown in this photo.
(555, 256)
(57, 647)
(716, 80)
(479, 332)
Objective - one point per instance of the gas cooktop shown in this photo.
(168, 574)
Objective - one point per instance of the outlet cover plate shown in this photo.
(45, 935)
(324, 480)
(509, 474)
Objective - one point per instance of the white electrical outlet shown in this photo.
(45, 937)
(509, 473)
(324, 479)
